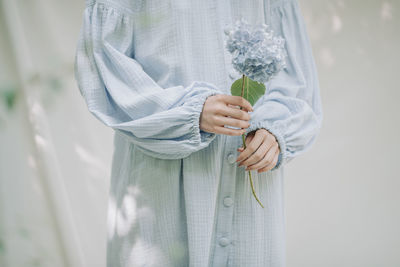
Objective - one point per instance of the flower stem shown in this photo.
(244, 146)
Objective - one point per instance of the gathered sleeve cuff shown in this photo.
(162, 122)
(291, 108)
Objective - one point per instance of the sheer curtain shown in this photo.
(54, 157)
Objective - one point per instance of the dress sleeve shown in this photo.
(162, 122)
(291, 108)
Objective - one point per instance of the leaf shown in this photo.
(9, 97)
(252, 90)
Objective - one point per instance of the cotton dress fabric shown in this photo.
(177, 197)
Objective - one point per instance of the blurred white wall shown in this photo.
(341, 196)
(342, 199)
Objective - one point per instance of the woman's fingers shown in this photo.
(253, 145)
(261, 153)
(238, 101)
(234, 112)
(233, 106)
(257, 156)
(266, 160)
(248, 139)
(222, 120)
(272, 165)
(222, 110)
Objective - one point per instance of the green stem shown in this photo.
(244, 147)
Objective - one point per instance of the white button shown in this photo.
(228, 201)
(231, 158)
(233, 74)
(223, 241)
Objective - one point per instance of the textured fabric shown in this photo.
(177, 198)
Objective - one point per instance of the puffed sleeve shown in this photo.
(291, 108)
(162, 122)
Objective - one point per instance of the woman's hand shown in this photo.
(219, 110)
(262, 151)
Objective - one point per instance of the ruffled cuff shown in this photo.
(199, 136)
(278, 135)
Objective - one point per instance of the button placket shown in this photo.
(233, 75)
(224, 241)
(228, 201)
(231, 158)
(223, 7)
(224, 219)
(223, 230)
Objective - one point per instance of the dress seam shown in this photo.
(119, 8)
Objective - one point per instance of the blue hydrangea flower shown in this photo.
(256, 51)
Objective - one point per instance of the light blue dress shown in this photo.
(177, 197)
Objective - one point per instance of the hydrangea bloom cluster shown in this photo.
(256, 52)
